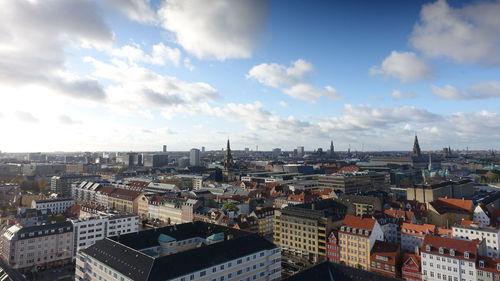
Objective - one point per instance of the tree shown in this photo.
(230, 206)
(41, 184)
(57, 218)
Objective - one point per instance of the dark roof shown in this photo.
(66, 226)
(54, 200)
(319, 209)
(122, 253)
(149, 238)
(332, 271)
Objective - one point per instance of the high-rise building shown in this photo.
(194, 157)
(276, 152)
(300, 151)
(203, 149)
(164, 148)
(190, 251)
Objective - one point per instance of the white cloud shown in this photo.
(220, 29)
(66, 120)
(187, 64)
(160, 54)
(479, 90)
(465, 35)
(35, 35)
(137, 10)
(310, 93)
(397, 94)
(26, 117)
(292, 80)
(283, 103)
(405, 66)
(135, 87)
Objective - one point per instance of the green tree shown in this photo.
(41, 184)
(230, 206)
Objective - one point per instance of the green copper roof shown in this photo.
(163, 238)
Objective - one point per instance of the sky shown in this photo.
(122, 75)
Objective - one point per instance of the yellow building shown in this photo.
(446, 212)
(356, 239)
(303, 229)
(128, 201)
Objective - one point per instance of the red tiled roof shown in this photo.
(385, 249)
(460, 247)
(358, 223)
(107, 189)
(417, 229)
(125, 194)
(469, 223)
(414, 257)
(406, 215)
(463, 204)
(490, 264)
(348, 169)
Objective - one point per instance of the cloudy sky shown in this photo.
(135, 74)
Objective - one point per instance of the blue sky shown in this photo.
(136, 74)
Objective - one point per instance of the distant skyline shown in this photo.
(123, 75)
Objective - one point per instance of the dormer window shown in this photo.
(428, 247)
(452, 252)
(367, 232)
(348, 229)
(481, 264)
(466, 254)
(498, 266)
(342, 228)
(441, 250)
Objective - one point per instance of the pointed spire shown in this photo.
(332, 150)
(416, 147)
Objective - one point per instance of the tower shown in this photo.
(332, 151)
(416, 147)
(228, 172)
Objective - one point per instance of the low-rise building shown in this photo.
(450, 259)
(333, 248)
(488, 269)
(357, 237)
(411, 268)
(265, 217)
(191, 251)
(56, 206)
(412, 236)
(490, 235)
(446, 212)
(385, 259)
(40, 245)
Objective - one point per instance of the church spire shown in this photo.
(332, 151)
(228, 158)
(416, 147)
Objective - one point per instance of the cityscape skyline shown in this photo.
(133, 75)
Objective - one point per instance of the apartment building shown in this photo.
(128, 201)
(56, 206)
(265, 218)
(488, 269)
(385, 259)
(412, 236)
(481, 214)
(347, 183)
(41, 245)
(333, 248)
(302, 229)
(446, 258)
(446, 212)
(62, 184)
(491, 236)
(90, 230)
(411, 268)
(191, 251)
(357, 237)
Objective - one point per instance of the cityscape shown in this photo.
(220, 140)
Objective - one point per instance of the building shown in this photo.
(488, 269)
(194, 157)
(357, 237)
(164, 148)
(62, 184)
(412, 236)
(448, 189)
(228, 174)
(411, 268)
(128, 201)
(385, 259)
(449, 259)
(300, 151)
(491, 236)
(363, 205)
(155, 160)
(302, 229)
(346, 183)
(56, 206)
(10, 194)
(89, 230)
(265, 218)
(446, 212)
(333, 248)
(41, 245)
(481, 214)
(191, 251)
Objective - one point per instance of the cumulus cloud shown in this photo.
(221, 29)
(137, 10)
(465, 35)
(26, 117)
(397, 94)
(160, 54)
(35, 34)
(66, 120)
(292, 80)
(479, 90)
(134, 87)
(405, 66)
